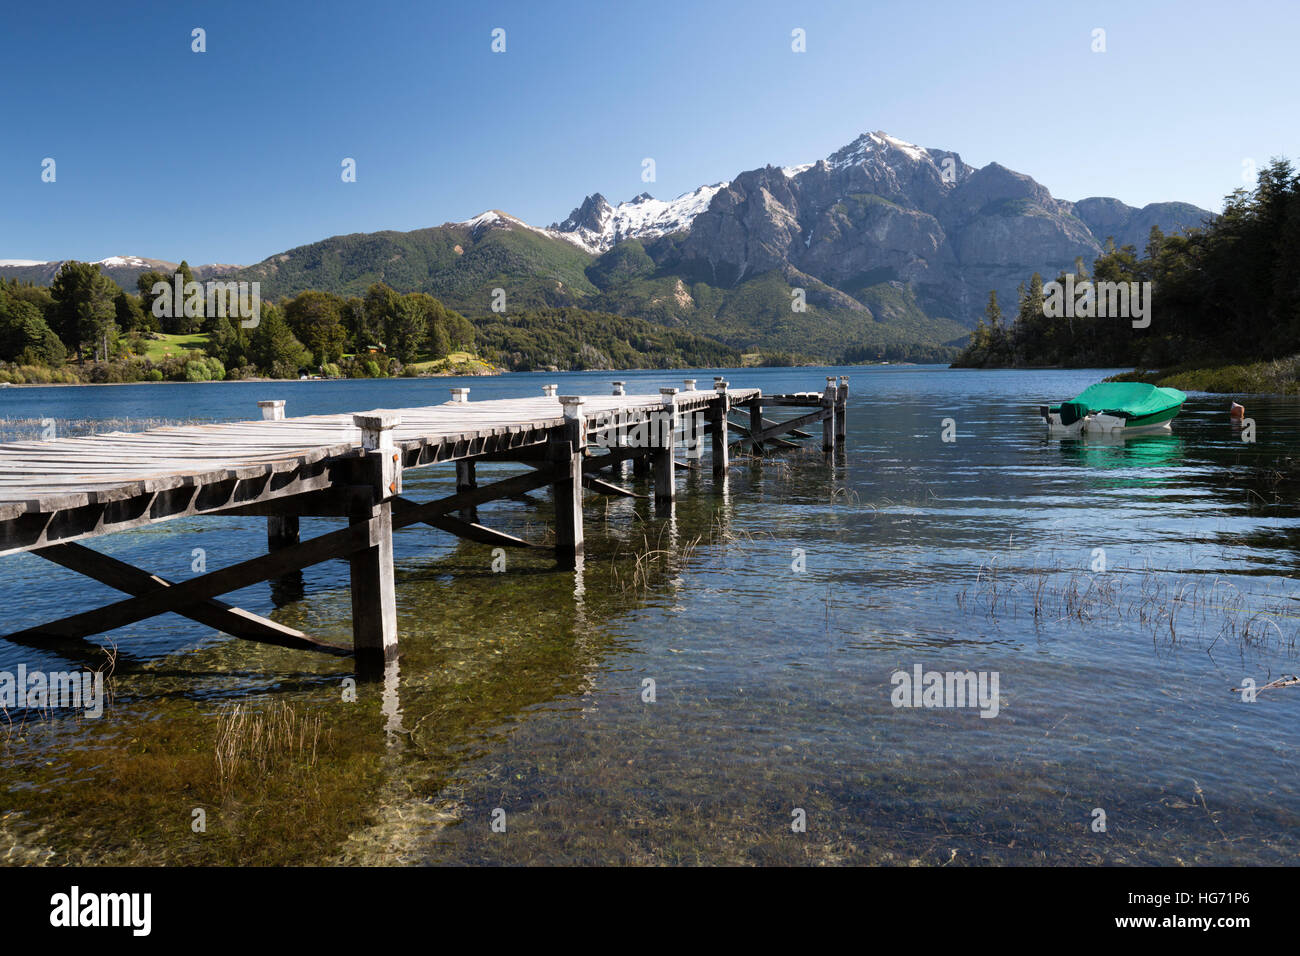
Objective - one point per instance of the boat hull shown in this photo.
(1102, 424)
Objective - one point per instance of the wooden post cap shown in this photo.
(272, 409)
(460, 394)
(690, 384)
(378, 420)
(720, 384)
(572, 405)
(549, 390)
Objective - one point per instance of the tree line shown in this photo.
(1228, 291)
(85, 327)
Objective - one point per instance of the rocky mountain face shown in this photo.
(882, 210)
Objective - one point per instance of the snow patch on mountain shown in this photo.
(596, 226)
(23, 262)
(496, 219)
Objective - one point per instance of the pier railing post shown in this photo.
(374, 598)
(663, 441)
(841, 405)
(566, 451)
(718, 413)
(828, 415)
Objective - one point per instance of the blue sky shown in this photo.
(234, 154)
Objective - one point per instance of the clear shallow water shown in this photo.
(522, 691)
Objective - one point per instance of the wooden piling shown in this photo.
(282, 531)
(374, 596)
(718, 411)
(756, 424)
(841, 405)
(467, 480)
(566, 452)
(828, 416)
(662, 438)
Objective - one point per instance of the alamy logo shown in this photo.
(921, 688)
(242, 300)
(1103, 300)
(57, 689)
(75, 908)
(613, 430)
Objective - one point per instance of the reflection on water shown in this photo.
(523, 696)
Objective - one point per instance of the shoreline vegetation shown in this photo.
(1224, 306)
(85, 329)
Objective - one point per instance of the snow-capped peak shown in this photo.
(118, 262)
(496, 219)
(865, 147)
(869, 144)
(597, 226)
(112, 262)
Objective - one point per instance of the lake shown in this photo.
(1119, 592)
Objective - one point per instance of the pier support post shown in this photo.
(619, 469)
(466, 480)
(374, 597)
(281, 530)
(718, 410)
(663, 439)
(841, 404)
(756, 424)
(828, 416)
(566, 452)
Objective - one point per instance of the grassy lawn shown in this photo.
(454, 361)
(157, 349)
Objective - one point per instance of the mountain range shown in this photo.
(894, 246)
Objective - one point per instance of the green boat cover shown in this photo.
(1124, 399)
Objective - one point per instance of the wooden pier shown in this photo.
(54, 494)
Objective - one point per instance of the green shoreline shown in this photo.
(1273, 377)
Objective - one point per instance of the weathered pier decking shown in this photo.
(55, 494)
